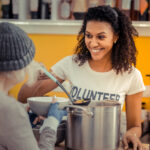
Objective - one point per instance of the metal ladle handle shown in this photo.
(58, 83)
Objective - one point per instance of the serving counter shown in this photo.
(146, 146)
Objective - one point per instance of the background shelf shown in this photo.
(66, 26)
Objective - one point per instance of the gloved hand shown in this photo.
(54, 117)
(55, 112)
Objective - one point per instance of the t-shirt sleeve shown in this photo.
(60, 69)
(137, 84)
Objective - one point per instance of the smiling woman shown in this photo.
(102, 67)
(99, 39)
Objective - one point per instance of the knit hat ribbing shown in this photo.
(16, 48)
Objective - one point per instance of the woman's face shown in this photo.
(99, 39)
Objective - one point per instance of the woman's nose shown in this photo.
(94, 42)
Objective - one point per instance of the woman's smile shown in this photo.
(97, 50)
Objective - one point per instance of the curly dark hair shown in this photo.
(124, 51)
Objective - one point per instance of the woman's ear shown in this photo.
(115, 38)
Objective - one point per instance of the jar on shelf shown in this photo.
(94, 3)
(79, 7)
(149, 10)
(34, 4)
(0, 9)
(64, 9)
(5, 6)
(135, 9)
(144, 8)
(15, 11)
(46, 9)
(124, 5)
(20, 9)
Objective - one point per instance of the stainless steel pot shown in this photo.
(94, 127)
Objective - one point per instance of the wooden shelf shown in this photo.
(143, 27)
(66, 26)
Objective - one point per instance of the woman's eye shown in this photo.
(88, 35)
(101, 37)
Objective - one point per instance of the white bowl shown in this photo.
(40, 105)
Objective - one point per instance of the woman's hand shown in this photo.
(130, 137)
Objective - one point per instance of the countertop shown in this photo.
(61, 147)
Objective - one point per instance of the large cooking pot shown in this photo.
(94, 127)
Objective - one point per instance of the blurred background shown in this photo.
(138, 10)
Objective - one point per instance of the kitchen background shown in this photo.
(53, 25)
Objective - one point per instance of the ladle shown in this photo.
(85, 102)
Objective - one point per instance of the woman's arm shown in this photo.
(40, 88)
(133, 113)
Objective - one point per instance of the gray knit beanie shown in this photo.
(16, 48)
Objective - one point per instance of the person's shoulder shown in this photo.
(9, 105)
(135, 71)
(5, 100)
(131, 73)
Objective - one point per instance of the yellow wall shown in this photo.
(143, 61)
(51, 48)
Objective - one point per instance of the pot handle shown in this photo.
(87, 112)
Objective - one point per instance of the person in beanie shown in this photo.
(16, 60)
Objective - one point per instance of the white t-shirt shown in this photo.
(87, 83)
